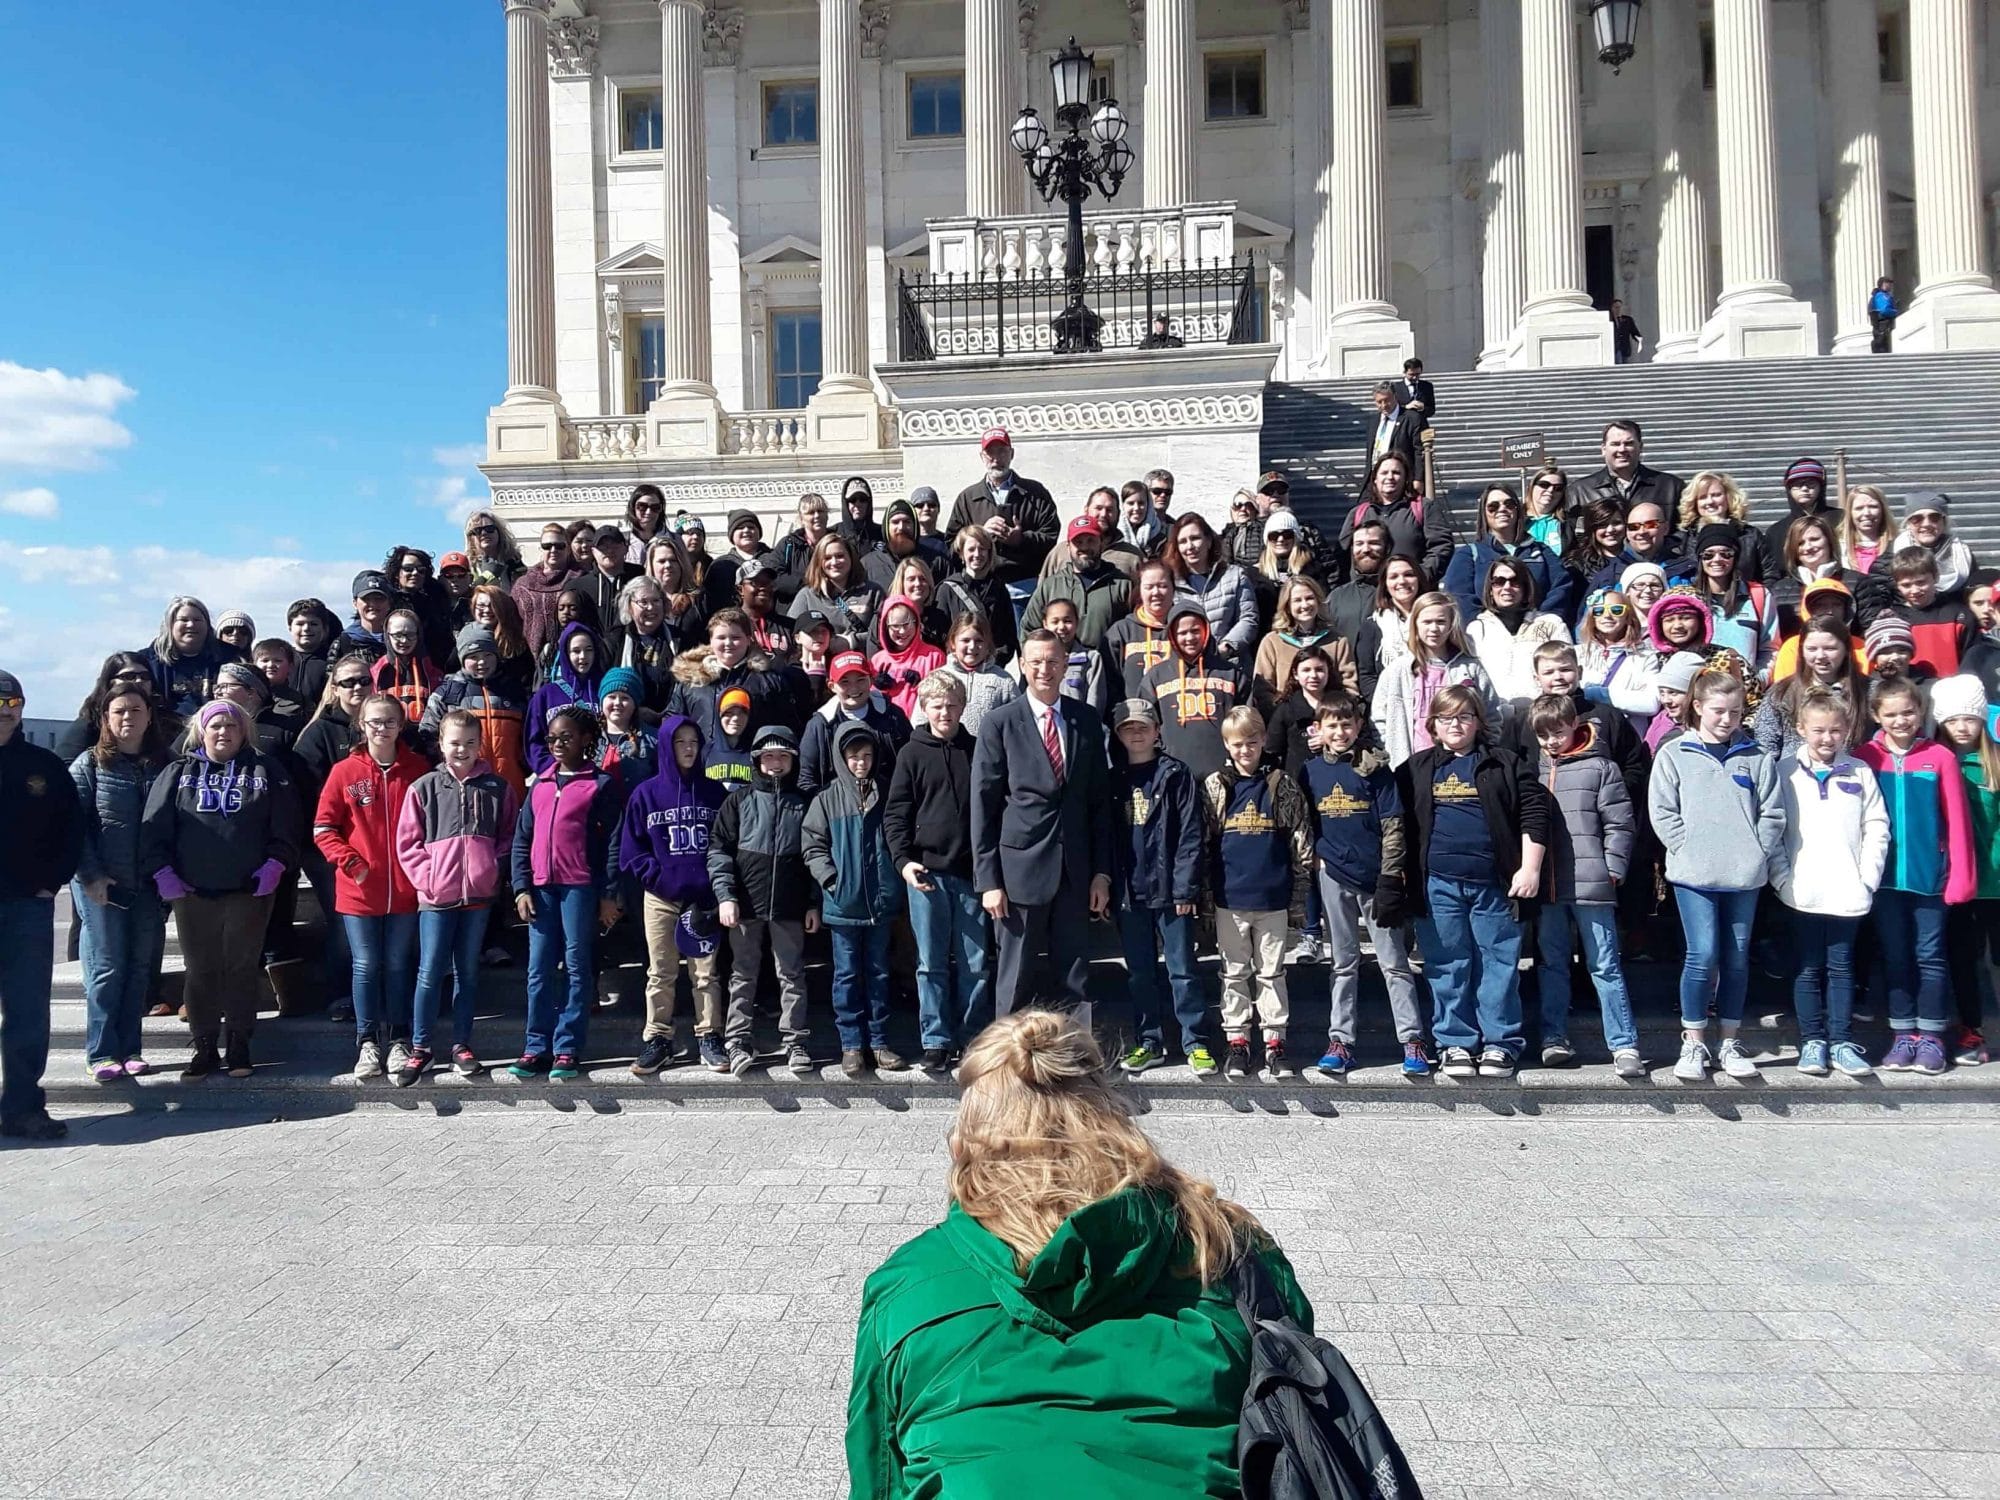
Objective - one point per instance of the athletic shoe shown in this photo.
(1558, 1053)
(204, 1060)
(1275, 1061)
(107, 1072)
(741, 1061)
(854, 1063)
(1496, 1062)
(889, 1062)
(713, 1057)
(416, 1063)
(399, 1056)
(1238, 1063)
(1694, 1061)
(1459, 1063)
(1930, 1054)
(368, 1060)
(236, 1059)
(1336, 1060)
(137, 1067)
(1735, 1061)
(934, 1060)
(1902, 1054)
(799, 1058)
(529, 1066)
(1627, 1063)
(1815, 1058)
(565, 1069)
(1202, 1062)
(655, 1052)
(1416, 1062)
(1304, 950)
(496, 958)
(465, 1062)
(1142, 1057)
(1851, 1060)
(1968, 1048)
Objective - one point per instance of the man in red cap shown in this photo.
(1102, 595)
(1017, 512)
(455, 573)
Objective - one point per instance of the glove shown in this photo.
(267, 877)
(884, 682)
(1389, 909)
(911, 678)
(170, 885)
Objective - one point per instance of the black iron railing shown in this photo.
(972, 317)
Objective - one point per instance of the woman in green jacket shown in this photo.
(1069, 1329)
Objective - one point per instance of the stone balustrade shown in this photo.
(1114, 240)
(606, 439)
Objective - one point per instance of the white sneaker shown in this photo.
(399, 1056)
(1735, 1061)
(368, 1061)
(1627, 1063)
(1304, 950)
(1694, 1061)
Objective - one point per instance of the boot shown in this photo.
(237, 1059)
(204, 1060)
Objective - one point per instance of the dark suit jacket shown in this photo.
(1652, 485)
(1403, 438)
(1029, 834)
(1425, 392)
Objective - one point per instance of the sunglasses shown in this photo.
(1241, 507)
(554, 546)
(12, 702)
(350, 684)
(1502, 581)
(1644, 525)
(1550, 484)
(647, 507)
(1495, 506)
(1168, 493)
(484, 531)
(1607, 611)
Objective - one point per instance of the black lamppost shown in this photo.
(1066, 167)
(1616, 23)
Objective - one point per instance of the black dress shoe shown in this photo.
(34, 1128)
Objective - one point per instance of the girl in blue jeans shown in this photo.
(1718, 814)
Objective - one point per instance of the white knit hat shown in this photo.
(1281, 520)
(1958, 697)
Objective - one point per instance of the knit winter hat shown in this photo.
(1923, 500)
(1960, 697)
(1804, 469)
(1889, 633)
(474, 638)
(234, 617)
(621, 680)
(1281, 520)
(744, 518)
(1714, 534)
(1678, 672)
(1640, 570)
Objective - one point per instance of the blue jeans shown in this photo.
(861, 985)
(565, 928)
(121, 949)
(1909, 935)
(1823, 986)
(1148, 934)
(1556, 929)
(335, 960)
(448, 948)
(1716, 925)
(27, 973)
(950, 923)
(385, 973)
(1472, 951)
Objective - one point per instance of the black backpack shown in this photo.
(1309, 1429)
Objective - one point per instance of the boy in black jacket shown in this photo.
(1156, 885)
(928, 820)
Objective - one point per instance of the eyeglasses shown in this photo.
(1607, 611)
(1455, 719)
(1644, 525)
(128, 676)
(402, 635)
(1156, 490)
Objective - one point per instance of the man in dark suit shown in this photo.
(1018, 513)
(1416, 393)
(1396, 428)
(1624, 478)
(1041, 833)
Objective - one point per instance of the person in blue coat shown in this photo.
(1502, 531)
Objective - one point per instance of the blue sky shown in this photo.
(252, 307)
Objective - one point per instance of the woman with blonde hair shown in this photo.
(490, 548)
(1070, 1327)
(1867, 527)
(1437, 657)
(1714, 499)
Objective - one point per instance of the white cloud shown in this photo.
(49, 420)
(459, 456)
(458, 495)
(40, 504)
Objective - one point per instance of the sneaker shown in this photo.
(1202, 1063)
(236, 1059)
(137, 1067)
(1694, 1061)
(204, 1060)
(854, 1063)
(1930, 1054)
(1336, 1060)
(889, 1062)
(495, 958)
(416, 1063)
(1627, 1063)
(655, 1052)
(107, 1072)
(465, 1062)
(934, 1060)
(1142, 1057)
(399, 1056)
(1558, 1053)
(1459, 1063)
(1275, 1061)
(565, 1069)
(368, 1060)
(1902, 1054)
(741, 1061)
(799, 1059)
(1304, 949)
(1968, 1049)
(1496, 1062)
(1416, 1062)
(529, 1066)
(713, 1057)
(1238, 1063)
(1851, 1060)
(341, 1012)
(1815, 1058)
(1735, 1061)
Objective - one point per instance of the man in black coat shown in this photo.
(1416, 393)
(1017, 512)
(1396, 428)
(1041, 833)
(1624, 478)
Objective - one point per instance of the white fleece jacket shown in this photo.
(1837, 833)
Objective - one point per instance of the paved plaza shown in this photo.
(525, 1300)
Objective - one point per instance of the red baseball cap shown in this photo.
(994, 435)
(1083, 526)
(845, 662)
(454, 560)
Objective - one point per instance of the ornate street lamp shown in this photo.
(1616, 23)
(1066, 167)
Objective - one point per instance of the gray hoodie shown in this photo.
(1721, 820)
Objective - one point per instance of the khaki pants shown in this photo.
(663, 960)
(222, 944)
(1253, 946)
(787, 941)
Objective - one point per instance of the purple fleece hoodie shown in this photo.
(663, 836)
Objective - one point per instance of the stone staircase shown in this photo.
(1906, 422)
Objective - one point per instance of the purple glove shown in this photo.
(170, 886)
(267, 877)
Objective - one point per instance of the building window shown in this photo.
(936, 106)
(795, 360)
(1235, 85)
(1103, 80)
(1891, 42)
(1405, 75)
(639, 123)
(791, 113)
(646, 358)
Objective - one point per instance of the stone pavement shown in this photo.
(659, 1301)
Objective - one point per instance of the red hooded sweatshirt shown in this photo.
(358, 810)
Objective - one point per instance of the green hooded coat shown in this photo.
(1098, 1371)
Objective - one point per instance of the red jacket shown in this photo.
(358, 810)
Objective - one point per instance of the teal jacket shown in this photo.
(845, 847)
(1983, 803)
(1097, 1372)
(1930, 825)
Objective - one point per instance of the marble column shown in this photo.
(527, 426)
(1502, 282)
(1558, 325)
(1362, 335)
(996, 183)
(1169, 160)
(1757, 317)
(1956, 306)
(843, 412)
(1854, 93)
(686, 417)
(1681, 270)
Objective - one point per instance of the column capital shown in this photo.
(573, 47)
(721, 33)
(874, 28)
(542, 8)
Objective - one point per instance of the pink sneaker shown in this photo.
(107, 1072)
(137, 1067)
